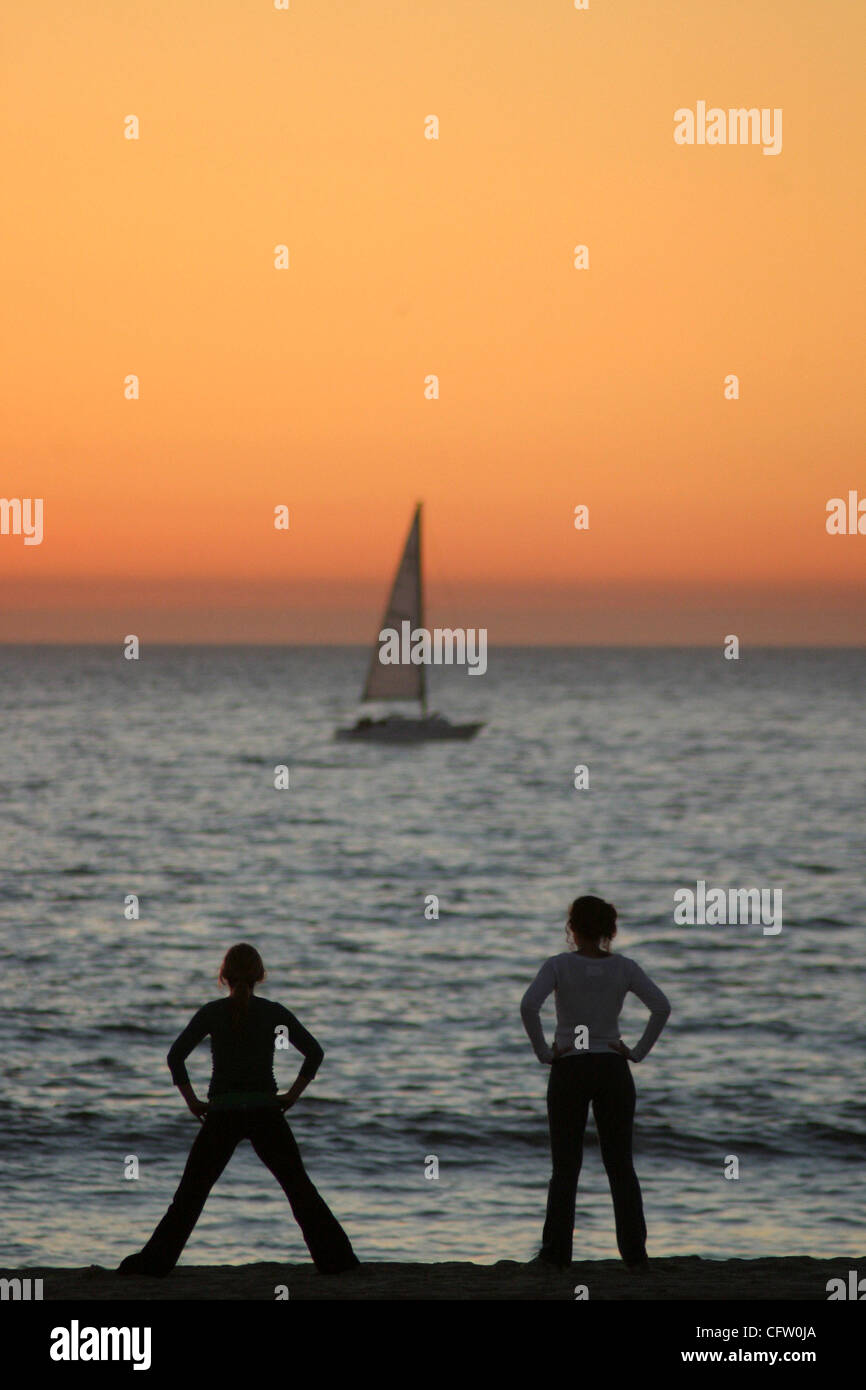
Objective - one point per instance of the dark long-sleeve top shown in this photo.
(243, 1056)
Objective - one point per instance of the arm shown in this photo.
(530, 1006)
(195, 1031)
(313, 1054)
(657, 1003)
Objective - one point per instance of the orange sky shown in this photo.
(410, 257)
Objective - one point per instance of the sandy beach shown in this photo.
(681, 1278)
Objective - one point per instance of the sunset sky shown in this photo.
(409, 257)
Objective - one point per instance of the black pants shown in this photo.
(606, 1081)
(273, 1141)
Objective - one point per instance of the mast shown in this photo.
(404, 607)
(421, 610)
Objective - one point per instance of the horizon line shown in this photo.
(499, 646)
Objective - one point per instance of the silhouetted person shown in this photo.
(591, 984)
(243, 1104)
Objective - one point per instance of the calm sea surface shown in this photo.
(156, 778)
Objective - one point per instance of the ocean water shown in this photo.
(156, 778)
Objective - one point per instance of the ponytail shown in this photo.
(241, 969)
(240, 1002)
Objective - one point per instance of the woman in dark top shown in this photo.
(243, 1103)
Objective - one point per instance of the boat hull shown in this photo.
(433, 729)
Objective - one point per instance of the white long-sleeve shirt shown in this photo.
(590, 991)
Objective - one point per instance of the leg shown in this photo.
(326, 1240)
(613, 1107)
(567, 1106)
(213, 1147)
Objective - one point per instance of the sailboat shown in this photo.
(404, 682)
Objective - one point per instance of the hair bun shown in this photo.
(592, 918)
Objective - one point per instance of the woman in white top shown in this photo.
(589, 1063)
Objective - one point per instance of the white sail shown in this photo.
(401, 682)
